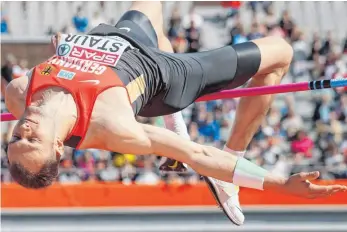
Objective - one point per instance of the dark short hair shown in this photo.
(41, 179)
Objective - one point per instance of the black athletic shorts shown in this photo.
(174, 81)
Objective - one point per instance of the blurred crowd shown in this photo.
(290, 140)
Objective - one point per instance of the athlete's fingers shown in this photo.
(325, 194)
(330, 188)
(308, 175)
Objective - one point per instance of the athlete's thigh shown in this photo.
(232, 66)
(193, 75)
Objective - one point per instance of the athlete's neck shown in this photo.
(57, 107)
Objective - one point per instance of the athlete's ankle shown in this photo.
(237, 153)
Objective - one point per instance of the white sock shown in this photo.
(237, 153)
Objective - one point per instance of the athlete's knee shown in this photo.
(281, 49)
(144, 5)
(276, 54)
(152, 9)
(284, 51)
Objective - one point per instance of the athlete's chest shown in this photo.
(82, 62)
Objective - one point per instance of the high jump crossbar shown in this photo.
(256, 91)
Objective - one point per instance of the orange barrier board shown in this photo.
(114, 194)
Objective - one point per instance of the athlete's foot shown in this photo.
(170, 165)
(227, 196)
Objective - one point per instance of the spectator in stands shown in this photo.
(4, 21)
(128, 172)
(21, 69)
(334, 161)
(147, 176)
(255, 33)
(235, 29)
(210, 128)
(300, 46)
(97, 19)
(276, 30)
(274, 117)
(232, 7)
(68, 174)
(292, 123)
(270, 18)
(194, 132)
(7, 71)
(345, 46)
(301, 53)
(300, 164)
(86, 162)
(5, 174)
(264, 4)
(341, 108)
(323, 109)
(302, 143)
(327, 44)
(50, 31)
(193, 37)
(336, 127)
(192, 16)
(315, 46)
(282, 166)
(286, 23)
(80, 21)
(240, 37)
(174, 23)
(105, 171)
(180, 43)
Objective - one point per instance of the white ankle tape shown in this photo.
(248, 174)
(237, 153)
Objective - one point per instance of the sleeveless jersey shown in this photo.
(83, 66)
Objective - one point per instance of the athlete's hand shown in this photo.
(300, 185)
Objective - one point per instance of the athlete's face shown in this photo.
(31, 144)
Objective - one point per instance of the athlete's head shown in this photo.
(34, 152)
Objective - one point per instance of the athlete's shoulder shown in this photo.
(15, 95)
(19, 84)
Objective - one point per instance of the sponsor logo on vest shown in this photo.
(47, 70)
(67, 75)
(63, 49)
(79, 65)
(103, 50)
(96, 42)
(94, 55)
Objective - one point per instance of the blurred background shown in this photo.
(303, 131)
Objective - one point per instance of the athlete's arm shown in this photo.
(15, 96)
(210, 161)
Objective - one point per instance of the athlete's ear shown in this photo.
(59, 148)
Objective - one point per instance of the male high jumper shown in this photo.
(88, 94)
